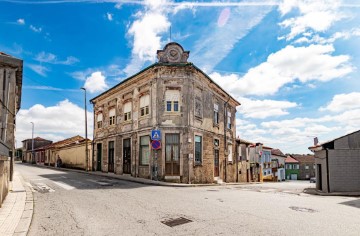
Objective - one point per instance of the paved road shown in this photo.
(70, 203)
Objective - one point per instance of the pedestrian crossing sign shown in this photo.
(155, 134)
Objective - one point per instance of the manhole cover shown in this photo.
(176, 222)
(302, 209)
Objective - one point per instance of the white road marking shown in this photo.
(63, 185)
(44, 187)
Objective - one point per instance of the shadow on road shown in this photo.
(353, 203)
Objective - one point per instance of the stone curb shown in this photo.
(313, 191)
(139, 180)
(25, 221)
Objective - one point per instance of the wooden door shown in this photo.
(111, 157)
(126, 156)
(172, 154)
(216, 163)
(98, 156)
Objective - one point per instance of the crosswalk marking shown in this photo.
(63, 185)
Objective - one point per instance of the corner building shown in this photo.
(196, 118)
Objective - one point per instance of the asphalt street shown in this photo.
(71, 203)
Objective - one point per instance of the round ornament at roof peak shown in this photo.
(174, 54)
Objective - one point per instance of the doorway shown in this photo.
(98, 156)
(111, 157)
(216, 163)
(127, 156)
(172, 154)
(319, 177)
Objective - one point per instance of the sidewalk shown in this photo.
(314, 191)
(17, 209)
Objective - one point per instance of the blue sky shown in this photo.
(292, 64)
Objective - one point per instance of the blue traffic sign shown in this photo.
(155, 134)
(156, 144)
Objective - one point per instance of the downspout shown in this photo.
(237, 162)
(327, 171)
(93, 140)
(225, 140)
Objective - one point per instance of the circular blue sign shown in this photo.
(156, 144)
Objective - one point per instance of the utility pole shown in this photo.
(86, 139)
(32, 144)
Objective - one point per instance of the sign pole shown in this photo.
(155, 167)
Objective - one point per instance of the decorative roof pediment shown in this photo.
(173, 53)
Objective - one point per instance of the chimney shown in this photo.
(316, 141)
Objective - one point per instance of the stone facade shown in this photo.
(195, 116)
(306, 166)
(27, 150)
(10, 98)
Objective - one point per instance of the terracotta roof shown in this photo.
(66, 142)
(277, 152)
(304, 158)
(240, 140)
(36, 139)
(4, 54)
(289, 159)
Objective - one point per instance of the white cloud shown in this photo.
(109, 16)
(95, 82)
(21, 21)
(261, 109)
(35, 29)
(217, 41)
(321, 40)
(146, 33)
(52, 59)
(41, 70)
(61, 121)
(315, 15)
(343, 102)
(305, 64)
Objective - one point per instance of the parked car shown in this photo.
(313, 180)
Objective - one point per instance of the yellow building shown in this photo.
(71, 151)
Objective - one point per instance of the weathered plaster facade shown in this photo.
(10, 99)
(188, 108)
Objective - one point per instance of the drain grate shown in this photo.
(302, 209)
(176, 222)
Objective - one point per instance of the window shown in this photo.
(264, 172)
(229, 120)
(198, 107)
(306, 167)
(99, 120)
(172, 98)
(296, 167)
(230, 156)
(144, 150)
(289, 166)
(198, 151)
(127, 111)
(144, 105)
(112, 116)
(307, 176)
(314, 166)
(216, 142)
(216, 114)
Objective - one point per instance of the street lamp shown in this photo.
(32, 143)
(86, 139)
